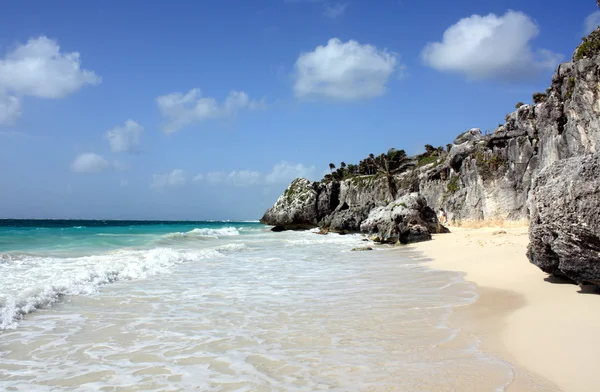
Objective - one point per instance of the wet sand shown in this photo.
(545, 328)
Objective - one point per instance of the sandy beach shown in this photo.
(545, 328)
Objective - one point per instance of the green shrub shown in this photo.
(519, 104)
(453, 184)
(539, 97)
(570, 87)
(489, 167)
(426, 160)
(588, 49)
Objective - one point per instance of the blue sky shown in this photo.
(207, 109)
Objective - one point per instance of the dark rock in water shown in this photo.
(564, 230)
(362, 249)
(405, 220)
(295, 209)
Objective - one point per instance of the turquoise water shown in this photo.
(81, 237)
(226, 306)
(42, 261)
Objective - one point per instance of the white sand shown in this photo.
(551, 330)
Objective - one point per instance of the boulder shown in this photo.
(346, 220)
(564, 228)
(405, 220)
(295, 209)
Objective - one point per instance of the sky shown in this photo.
(208, 109)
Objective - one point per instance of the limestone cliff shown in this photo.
(478, 177)
(565, 219)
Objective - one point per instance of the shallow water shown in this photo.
(230, 306)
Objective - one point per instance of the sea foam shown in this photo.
(38, 282)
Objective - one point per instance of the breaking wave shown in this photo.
(209, 233)
(38, 282)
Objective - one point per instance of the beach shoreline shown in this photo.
(543, 329)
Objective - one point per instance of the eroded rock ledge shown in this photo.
(543, 161)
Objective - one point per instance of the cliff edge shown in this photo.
(486, 177)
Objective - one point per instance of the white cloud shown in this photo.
(233, 178)
(335, 11)
(490, 47)
(89, 163)
(344, 71)
(39, 69)
(175, 178)
(125, 138)
(592, 22)
(10, 109)
(282, 173)
(180, 109)
(285, 172)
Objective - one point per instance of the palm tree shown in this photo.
(390, 164)
(429, 149)
(331, 167)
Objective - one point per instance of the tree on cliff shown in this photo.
(331, 167)
(352, 169)
(390, 164)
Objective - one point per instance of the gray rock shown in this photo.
(295, 209)
(362, 249)
(565, 219)
(405, 220)
(488, 177)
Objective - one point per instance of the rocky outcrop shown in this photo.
(343, 205)
(486, 176)
(565, 219)
(492, 176)
(405, 220)
(295, 209)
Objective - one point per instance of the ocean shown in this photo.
(227, 306)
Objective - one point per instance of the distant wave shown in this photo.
(204, 232)
(232, 247)
(47, 279)
(225, 231)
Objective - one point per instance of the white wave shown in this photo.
(314, 239)
(232, 247)
(225, 231)
(47, 279)
(204, 232)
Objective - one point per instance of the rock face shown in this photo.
(487, 176)
(565, 219)
(295, 209)
(405, 220)
(490, 176)
(505, 174)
